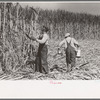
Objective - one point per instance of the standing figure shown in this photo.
(41, 64)
(71, 46)
(41, 59)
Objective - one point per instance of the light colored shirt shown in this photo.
(44, 39)
(70, 40)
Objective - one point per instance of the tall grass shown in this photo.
(80, 25)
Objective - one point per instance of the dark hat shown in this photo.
(45, 29)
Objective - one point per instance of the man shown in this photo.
(41, 59)
(71, 46)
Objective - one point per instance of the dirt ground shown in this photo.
(87, 67)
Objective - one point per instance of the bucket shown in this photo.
(78, 55)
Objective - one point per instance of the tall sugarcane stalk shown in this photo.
(0, 18)
(3, 32)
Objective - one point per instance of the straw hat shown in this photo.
(67, 34)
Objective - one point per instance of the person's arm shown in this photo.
(31, 38)
(76, 43)
(61, 43)
(43, 40)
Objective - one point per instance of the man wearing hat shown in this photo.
(70, 49)
(41, 59)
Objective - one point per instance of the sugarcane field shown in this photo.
(32, 38)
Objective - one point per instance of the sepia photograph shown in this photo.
(49, 41)
(49, 49)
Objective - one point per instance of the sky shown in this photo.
(90, 7)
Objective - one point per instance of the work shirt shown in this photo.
(70, 40)
(44, 39)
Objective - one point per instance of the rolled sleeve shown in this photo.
(44, 39)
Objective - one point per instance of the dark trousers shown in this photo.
(41, 59)
(70, 56)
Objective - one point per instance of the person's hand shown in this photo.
(33, 38)
(36, 39)
(58, 48)
(78, 46)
